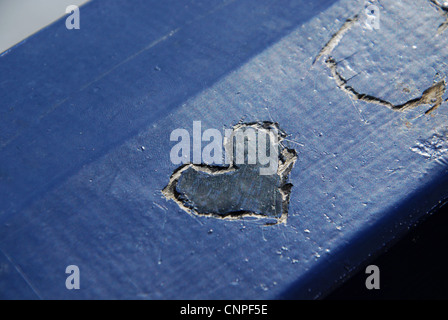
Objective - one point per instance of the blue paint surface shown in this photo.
(77, 188)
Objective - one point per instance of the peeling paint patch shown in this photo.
(236, 191)
(434, 148)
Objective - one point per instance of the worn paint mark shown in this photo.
(201, 189)
(432, 96)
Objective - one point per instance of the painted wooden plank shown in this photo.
(86, 118)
